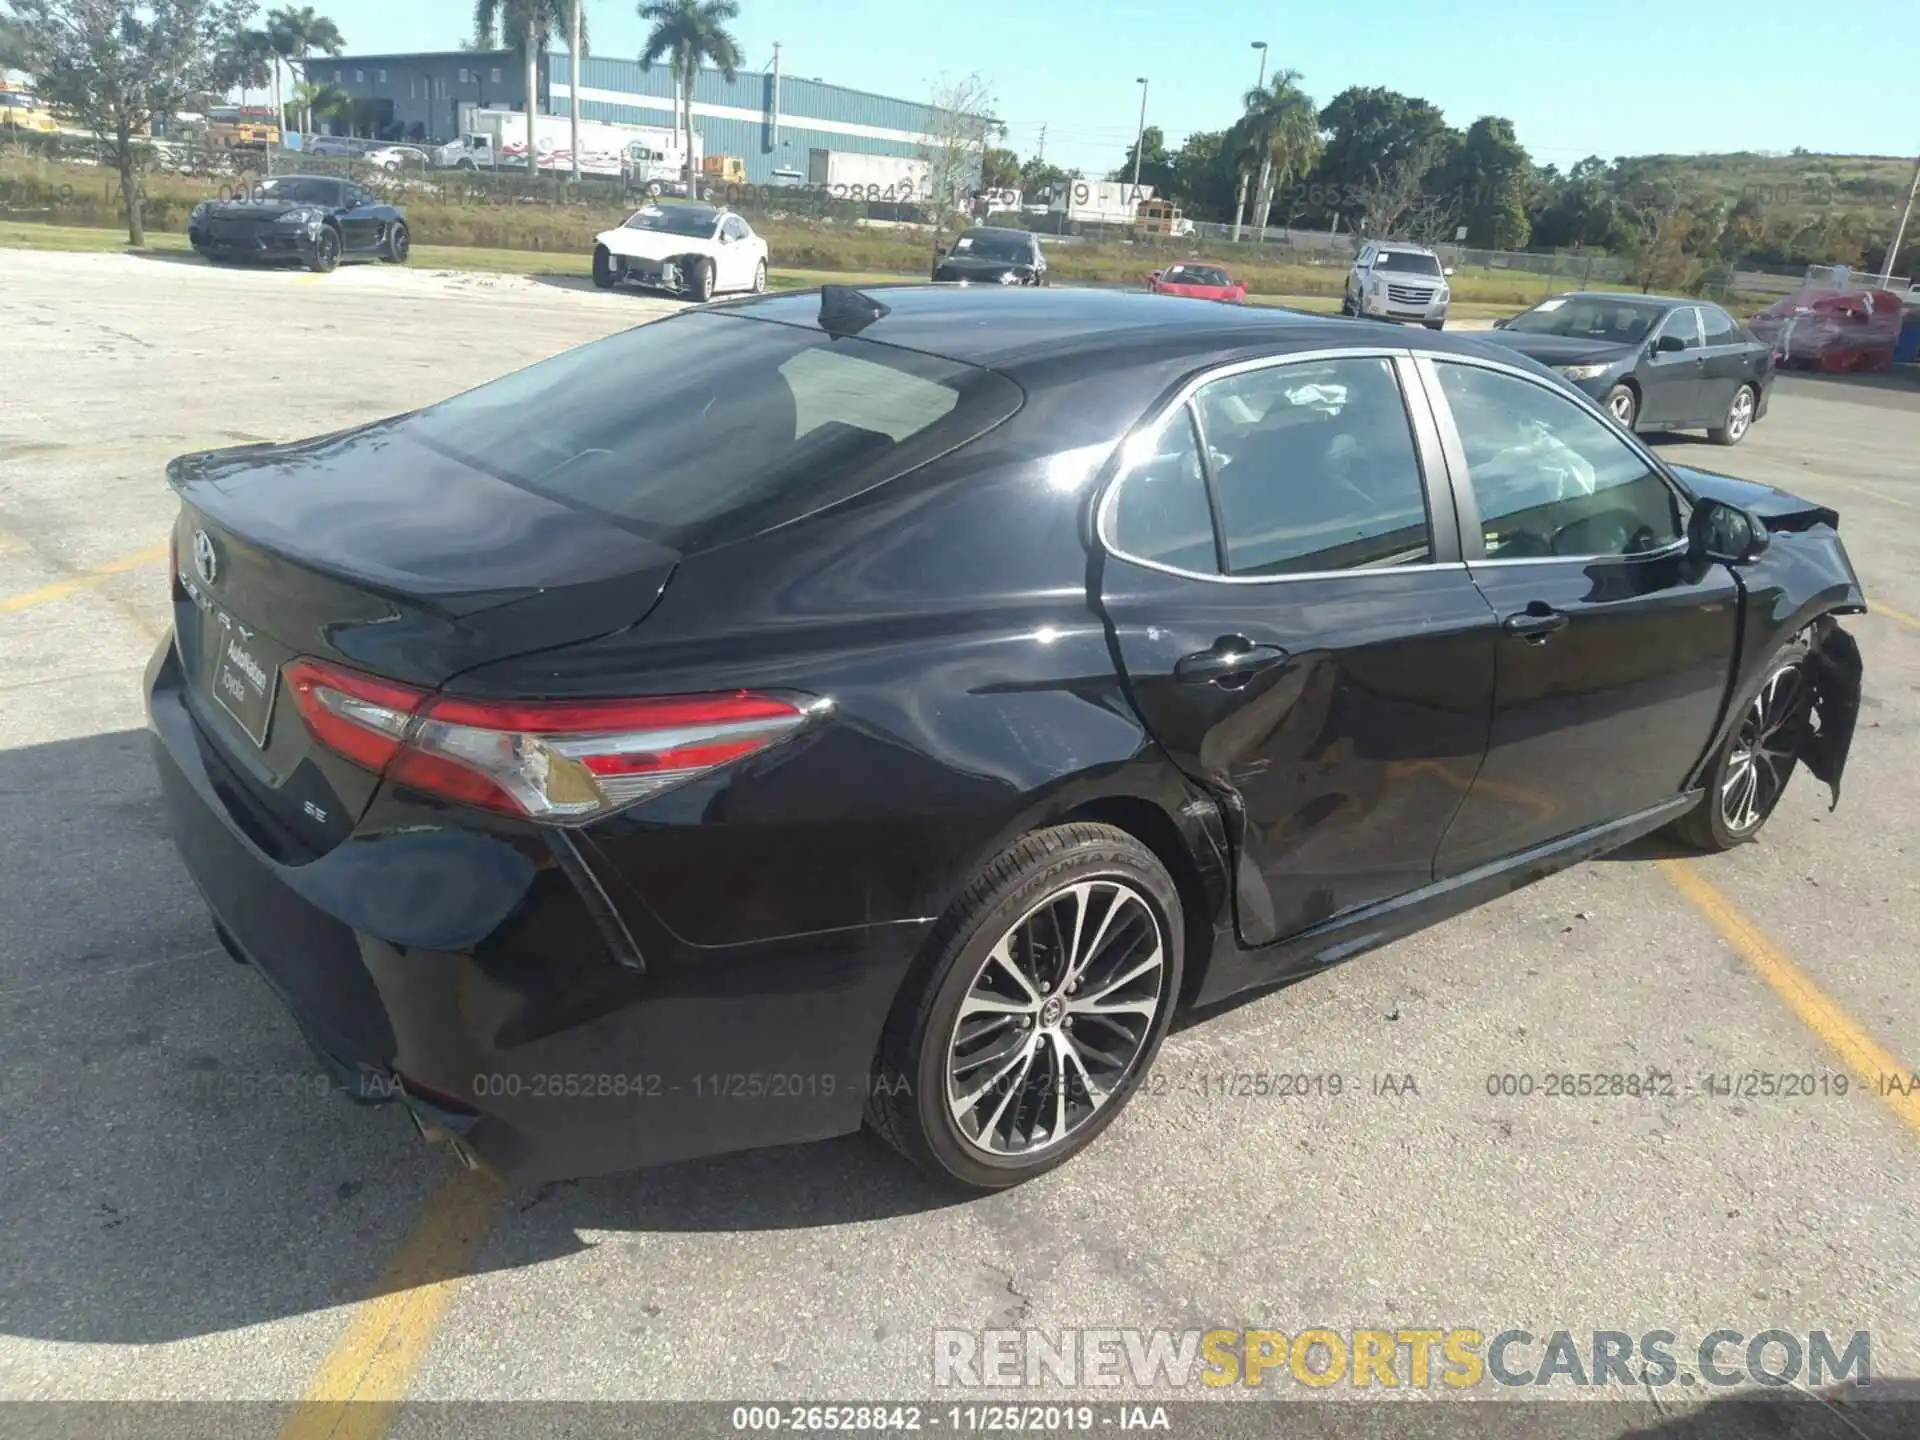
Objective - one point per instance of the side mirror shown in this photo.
(1501, 323)
(1726, 533)
(1668, 344)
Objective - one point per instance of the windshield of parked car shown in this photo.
(297, 190)
(706, 427)
(674, 220)
(1590, 317)
(1405, 263)
(979, 245)
(1196, 275)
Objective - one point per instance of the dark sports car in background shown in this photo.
(991, 255)
(1657, 364)
(315, 220)
(894, 705)
(1197, 282)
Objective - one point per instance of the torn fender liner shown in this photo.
(1835, 664)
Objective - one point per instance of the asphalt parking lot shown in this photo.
(185, 1215)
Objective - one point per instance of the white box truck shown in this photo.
(1098, 202)
(849, 175)
(647, 155)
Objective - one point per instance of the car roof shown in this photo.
(999, 231)
(1019, 329)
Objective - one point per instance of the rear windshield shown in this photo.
(708, 427)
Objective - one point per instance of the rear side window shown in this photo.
(1720, 329)
(1160, 510)
(1314, 468)
(707, 427)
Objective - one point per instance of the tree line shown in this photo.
(1376, 162)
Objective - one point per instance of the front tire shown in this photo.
(981, 1078)
(1623, 405)
(326, 252)
(604, 274)
(1739, 418)
(700, 279)
(399, 245)
(1750, 772)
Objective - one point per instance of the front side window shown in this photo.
(1683, 325)
(1551, 478)
(1160, 508)
(1314, 468)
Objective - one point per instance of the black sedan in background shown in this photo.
(991, 255)
(1657, 364)
(894, 705)
(315, 220)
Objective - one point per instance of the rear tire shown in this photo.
(1739, 418)
(1623, 404)
(760, 278)
(979, 1079)
(1750, 772)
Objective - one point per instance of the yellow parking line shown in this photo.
(1860, 1052)
(85, 580)
(1878, 607)
(352, 1395)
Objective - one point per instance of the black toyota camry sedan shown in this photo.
(314, 220)
(992, 255)
(890, 706)
(1657, 364)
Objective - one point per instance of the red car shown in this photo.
(1201, 282)
(1832, 329)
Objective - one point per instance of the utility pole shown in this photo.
(1261, 46)
(1040, 151)
(1140, 136)
(1900, 235)
(573, 87)
(776, 95)
(1240, 200)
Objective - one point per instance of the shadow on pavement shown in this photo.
(176, 1166)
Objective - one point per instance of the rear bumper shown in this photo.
(462, 972)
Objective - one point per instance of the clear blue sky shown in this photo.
(1617, 78)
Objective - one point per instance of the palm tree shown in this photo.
(691, 33)
(527, 26)
(1281, 130)
(296, 34)
(246, 60)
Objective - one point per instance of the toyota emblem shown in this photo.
(204, 560)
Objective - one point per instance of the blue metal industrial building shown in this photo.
(774, 123)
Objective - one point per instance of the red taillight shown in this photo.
(548, 760)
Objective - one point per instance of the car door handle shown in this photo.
(1231, 663)
(1536, 622)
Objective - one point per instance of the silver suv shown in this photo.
(1398, 282)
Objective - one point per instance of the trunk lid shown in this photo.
(370, 550)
